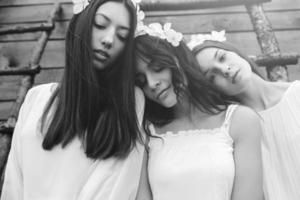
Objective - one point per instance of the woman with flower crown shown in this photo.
(80, 138)
(278, 104)
(200, 146)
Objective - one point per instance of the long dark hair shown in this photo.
(97, 106)
(187, 78)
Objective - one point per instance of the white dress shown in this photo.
(193, 164)
(281, 147)
(64, 174)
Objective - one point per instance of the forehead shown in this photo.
(115, 11)
(206, 56)
(142, 64)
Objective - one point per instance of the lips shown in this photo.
(162, 92)
(234, 76)
(101, 55)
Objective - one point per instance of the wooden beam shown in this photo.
(267, 41)
(276, 59)
(25, 29)
(27, 81)
(164, 5)
(20, 71)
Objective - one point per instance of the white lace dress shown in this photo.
(193, 164)
(281, 147)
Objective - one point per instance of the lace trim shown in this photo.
(192, 132)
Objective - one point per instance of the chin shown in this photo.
(99, 65)
(170, 103)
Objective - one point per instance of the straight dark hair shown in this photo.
(187, 78)
(97, 106)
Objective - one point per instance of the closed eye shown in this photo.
(123, 35)
(211, 78)
(222, 56)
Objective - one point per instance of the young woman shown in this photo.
(278, 103)
(201, 147)
(79, 139)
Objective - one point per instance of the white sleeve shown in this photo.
(13, 179)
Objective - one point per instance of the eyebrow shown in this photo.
(108, 19)
(216, 54)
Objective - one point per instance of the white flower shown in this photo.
(79, 5)
(140, 29)
(171, 35)
(218, 36)
(155, 29)
(162, 32)
(140, 15)
(198, 39)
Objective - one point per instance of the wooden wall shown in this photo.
(283, 14)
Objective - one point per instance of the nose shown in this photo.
(153, 81)
(224, 69)
(108, 39)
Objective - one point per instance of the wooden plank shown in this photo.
(20, 52)
(24, 14)
(34, 13)
(4, 109)
(57, 34)
(29, 2)
(9, 87)
(231, 22)
(54, 52)
(145, 3)
(234, 22)
(164, 5)
(49, 75)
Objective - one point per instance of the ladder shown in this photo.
(28, 74)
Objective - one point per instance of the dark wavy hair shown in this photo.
(187, 78)
(97, 106)
(228, 47)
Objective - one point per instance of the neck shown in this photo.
(182, 108)
(254, 93)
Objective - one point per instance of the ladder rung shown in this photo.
(20, 71)
(276, 59)
(25, 29)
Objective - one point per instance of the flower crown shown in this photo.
(162, 32)
(197, 39)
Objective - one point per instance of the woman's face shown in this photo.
(225, 69)
(109, 33)
(156, 82)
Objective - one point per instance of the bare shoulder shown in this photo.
(245, 121)
(139, 97)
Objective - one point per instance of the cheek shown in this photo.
(222, 84)
(147, 93)
(95, 37)
(119, 47)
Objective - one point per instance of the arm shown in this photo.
(144, 191)
(13, 178)
(246, 132)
